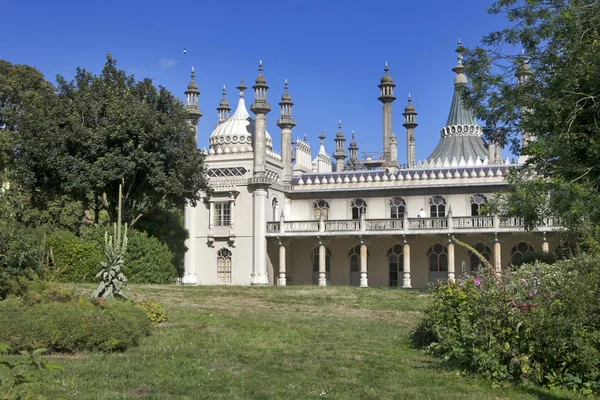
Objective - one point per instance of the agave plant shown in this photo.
(113, 282)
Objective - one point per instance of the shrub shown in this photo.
(21, 254)
(75, 259)
(75, 325)
(147, 260)
(156, 314)
(538, 323)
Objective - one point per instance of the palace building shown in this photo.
(294, 218)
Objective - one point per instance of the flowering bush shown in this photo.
(539, 323)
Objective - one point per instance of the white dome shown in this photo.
(236, 132)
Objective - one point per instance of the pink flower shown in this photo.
(477, 282)
(523, 281)
(530, 294)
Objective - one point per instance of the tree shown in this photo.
(96, 132)
(541, 75)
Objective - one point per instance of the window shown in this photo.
(222, 214)
(396, 263)
(224, 266)
(437, 207)
(354, 257)
(397, 207)
(359, 208)
(438, 262)
(315, 263)
(321, 208)
(523, 252)
(477, 202)
(275, 209)
(484, 251)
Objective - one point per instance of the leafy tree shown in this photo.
(541, 75)
(100, 131)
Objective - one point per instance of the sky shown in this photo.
(331, 52)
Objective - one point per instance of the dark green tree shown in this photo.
(100, 131)
(541, 75)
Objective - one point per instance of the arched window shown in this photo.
(315, 264)
(275, 209)
(396, 263)
(354, 257)
(321, 207)
(522, 252)
(484, 250)
(438, 262)
(359, 208)
(477, 202)
(437, 207)
(224, 266)
(397, 208)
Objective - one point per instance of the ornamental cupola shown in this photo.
(191, 99)
(223, 109)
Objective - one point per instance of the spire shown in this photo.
(286, 105)
(191, 98)
(241, 87)
(260, 105)
(523, 70)
(322, 143)
(223, 109)
(459, 113)
(386, 86)
(410, 123)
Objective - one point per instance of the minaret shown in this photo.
(410, 123)
(259, 182)
(339, 154)
(191, 101)
(353, 151)
(261, 109)
(223, 109)
(387, 97)
(522, 74)
(286, 123)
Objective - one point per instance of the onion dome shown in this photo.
(339, 133)
(235, 135)
(409, 107)
(260, 79)
(386, 78)
(224, 102)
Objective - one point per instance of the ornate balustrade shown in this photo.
(476, 224)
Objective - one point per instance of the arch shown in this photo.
(477, 201)
(275, 209)
(521, 253)
(354, 260)
(315, 264)
(397, 208)
(321, 208)
(224, 266)
(437, 207)
(438, 262)
(395, 256)
(359, 208)
(484, 250)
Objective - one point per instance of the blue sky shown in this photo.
(331, 52)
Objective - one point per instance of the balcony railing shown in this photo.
(480, 224)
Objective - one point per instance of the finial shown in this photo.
(260, 67)
(459, 55)
(340, 124)
(241, 87)
(409, 99)
(285, 86)
(353, 134)
(193, 73)
(322, 136)
(305, 137)
(224, 91)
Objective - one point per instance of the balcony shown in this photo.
(406, 226)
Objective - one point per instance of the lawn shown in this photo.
(275, 343)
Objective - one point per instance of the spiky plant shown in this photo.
(113, 282)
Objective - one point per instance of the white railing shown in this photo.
(513, 222)
(342, 225)
(272, 227)
(427, 223)
(301, 226)
(472, 222)
(385, 224)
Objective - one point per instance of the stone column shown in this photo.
(260, 145)
(231, 211)
(259, 240)
(406, 254)
(451, 260)
(497, 255)
(322, 265)
(363, 266)
(282, 280)
(211, 215)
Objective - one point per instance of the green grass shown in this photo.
(275, 343)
